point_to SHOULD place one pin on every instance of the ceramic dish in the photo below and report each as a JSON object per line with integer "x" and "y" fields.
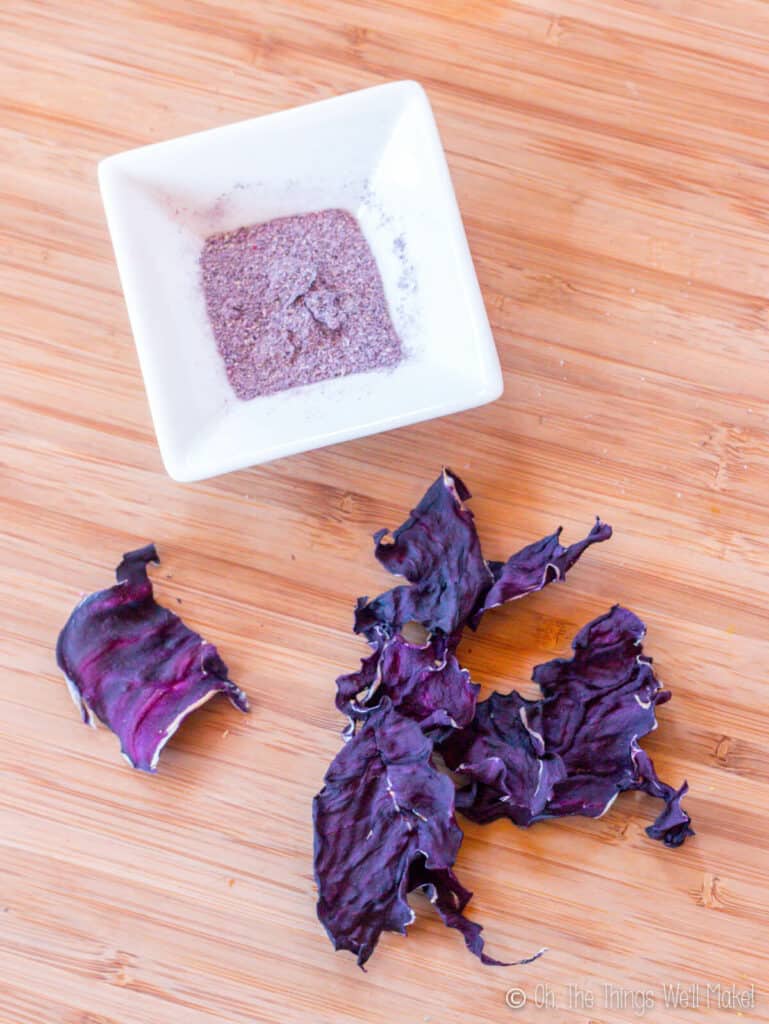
{"x": 376, "y": 153}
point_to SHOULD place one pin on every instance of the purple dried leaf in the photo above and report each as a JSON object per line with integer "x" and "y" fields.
{"x": 576, "y": 749}
{"x": 437, "y": 550}
{"x": 672, "y": 825}
{"x": 509, "y": 774}
{"x": 533, "y": 567}
{"x": 384, "y": 825}
{"x": 135, "y": 666}
{"x": 424, "y": 682}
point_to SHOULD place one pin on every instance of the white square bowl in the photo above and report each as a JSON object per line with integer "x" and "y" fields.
{"x": 375, "y": 153}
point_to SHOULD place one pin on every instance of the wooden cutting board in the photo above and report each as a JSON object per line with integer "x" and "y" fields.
{"x": 611, "y": 160}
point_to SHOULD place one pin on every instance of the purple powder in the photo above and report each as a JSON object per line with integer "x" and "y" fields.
{"x": 296, "y": 300}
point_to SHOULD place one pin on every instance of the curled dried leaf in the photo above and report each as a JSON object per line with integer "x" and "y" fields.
{"x": 135, "y": 666}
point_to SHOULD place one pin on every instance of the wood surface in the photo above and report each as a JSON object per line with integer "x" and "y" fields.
{"x": 611, "y": 160}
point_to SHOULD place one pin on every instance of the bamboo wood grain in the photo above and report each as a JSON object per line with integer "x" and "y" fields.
{"x": 611, "y": 159}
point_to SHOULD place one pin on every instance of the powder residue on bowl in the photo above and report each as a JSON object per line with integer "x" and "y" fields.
{"x": 296, "y": 300}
